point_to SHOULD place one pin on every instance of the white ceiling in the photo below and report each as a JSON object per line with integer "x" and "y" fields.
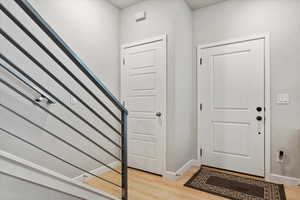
{"x": 124, "y": 3}
{"x": 194, "y": 4}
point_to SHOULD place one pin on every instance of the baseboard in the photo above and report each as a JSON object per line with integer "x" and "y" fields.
{"x": 27, "y": 171}
{"x": 97, "y": 171}
{"x": 284, "y": 180}
{"x": 173, "y": 176}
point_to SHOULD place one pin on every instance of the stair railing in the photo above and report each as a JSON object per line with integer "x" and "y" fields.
{"x": 46, "y": 94}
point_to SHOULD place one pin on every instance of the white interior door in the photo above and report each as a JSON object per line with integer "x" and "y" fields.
{"x": 231, "y": 91}
{"x": 143, "y": 90}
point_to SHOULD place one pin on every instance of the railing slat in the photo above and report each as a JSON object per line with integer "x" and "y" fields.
{"x": 57, "y": 157}
{"x": 57, "y": 137}
{"x": 42, "y": 67}
{"x": 58, "y": 118}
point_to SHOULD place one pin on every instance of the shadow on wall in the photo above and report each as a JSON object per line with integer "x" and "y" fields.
{"x": 288, "y": 163}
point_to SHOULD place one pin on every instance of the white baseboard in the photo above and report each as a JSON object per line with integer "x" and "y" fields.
{"x": 97, "y": 171}
{"x": 27, "y": 171}
{"x": 283, "y": 180}
{"x": 173, "y": 176}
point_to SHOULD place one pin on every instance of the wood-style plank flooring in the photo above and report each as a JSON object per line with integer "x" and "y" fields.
{"x": 145, "y": 186}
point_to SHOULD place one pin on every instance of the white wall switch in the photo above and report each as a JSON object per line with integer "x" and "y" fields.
{"x": 140, "y": 16}
{"x": 283, "y": 98}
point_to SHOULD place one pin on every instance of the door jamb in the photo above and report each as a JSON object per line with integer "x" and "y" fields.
{"x": 164, "y": 89}
{"x": 267, "y": 88}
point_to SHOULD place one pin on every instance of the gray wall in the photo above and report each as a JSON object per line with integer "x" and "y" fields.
{"x": 15, "y": 189}
{"x": 174, "y": 18}
{"x": 94, "y": 35}
{"x": 280, "y": 18}
{"x": 98, "y": 45}
{"x": 181, "y": 140}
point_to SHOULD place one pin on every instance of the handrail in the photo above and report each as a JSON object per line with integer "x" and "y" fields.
{"x": 35, "y": 16}
{"x": 49, "y": 101}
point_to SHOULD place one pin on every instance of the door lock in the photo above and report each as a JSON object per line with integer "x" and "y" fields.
{"x": 158, "y": 114}
{"x": 259, "y": 118}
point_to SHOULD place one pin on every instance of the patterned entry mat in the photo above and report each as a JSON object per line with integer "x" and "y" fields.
{"x": 235, "y": 187}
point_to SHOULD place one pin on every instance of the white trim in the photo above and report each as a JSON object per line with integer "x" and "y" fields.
{"x": 174, "y": 176}
{"x": 164, "y": 88}
{"x": 235, "y": 40}
{"x": 283, "y": 180}
{"x": 17, "y": 167}
{"x": 97, "y": 171}
{"x": 145, "y": 41}
{"x": 268, "y": 107}
{"x": 266, "y": 37}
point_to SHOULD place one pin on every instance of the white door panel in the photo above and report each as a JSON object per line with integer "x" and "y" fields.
{"x": 231, "y": 87}
{"x": 143, "y": 80}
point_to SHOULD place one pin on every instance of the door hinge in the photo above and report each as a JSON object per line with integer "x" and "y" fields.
{"x": 201, "y": 152}
{"x": 201, "y": 106}
{"x": 200, "y": 61}
{"x": 123, "y": 61}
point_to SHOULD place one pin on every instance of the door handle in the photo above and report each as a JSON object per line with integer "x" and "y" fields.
{"x": 158, "y": 114}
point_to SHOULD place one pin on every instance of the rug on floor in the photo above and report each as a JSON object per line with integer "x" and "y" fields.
{"x": 235, "y": 187}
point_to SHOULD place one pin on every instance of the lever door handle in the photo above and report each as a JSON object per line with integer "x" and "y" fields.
{"x": 158, "y": 114}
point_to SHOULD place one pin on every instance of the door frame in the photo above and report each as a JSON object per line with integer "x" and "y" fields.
{"x": 162, "y": 38}
{"x": 267, "y": 95}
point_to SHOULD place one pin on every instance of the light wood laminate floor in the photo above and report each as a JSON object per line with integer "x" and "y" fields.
{"x": 145, "y": 186}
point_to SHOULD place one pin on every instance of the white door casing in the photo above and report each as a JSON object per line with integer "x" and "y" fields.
{"x": 143, "y": 89}
{"x": 232, "y": 80}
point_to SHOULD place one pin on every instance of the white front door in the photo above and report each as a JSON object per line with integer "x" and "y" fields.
{"x": 231, "y": 97}
{"x": 143, "y": 90}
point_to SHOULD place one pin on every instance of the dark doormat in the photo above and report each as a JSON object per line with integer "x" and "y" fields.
{"x": 235, "y": 187}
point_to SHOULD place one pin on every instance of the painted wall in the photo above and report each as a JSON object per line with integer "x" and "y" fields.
{"x": 180, "y": 142}
{"x": 171, "y": 17}
{"x": 232, "y": 19}
{"x": 98, "y": 45}
{"x": 91, "y": 28}
{"x": 16, "y": 189}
